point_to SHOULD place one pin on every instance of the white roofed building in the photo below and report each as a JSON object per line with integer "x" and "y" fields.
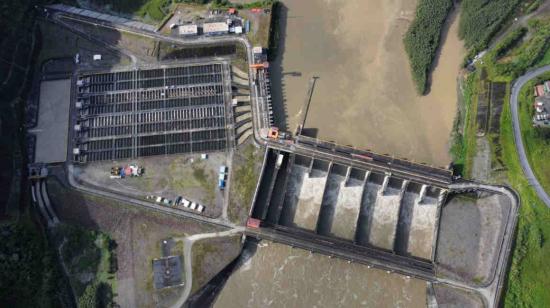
{"x": 188, "y": 30}
{"x": 215, "y": 28}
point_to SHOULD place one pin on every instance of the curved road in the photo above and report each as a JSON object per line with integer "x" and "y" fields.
{"x": 518, "y": 84}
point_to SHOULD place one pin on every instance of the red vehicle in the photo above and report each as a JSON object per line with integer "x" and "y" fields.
{"x": 253, "y": 223}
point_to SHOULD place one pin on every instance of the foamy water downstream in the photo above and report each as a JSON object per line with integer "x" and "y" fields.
{"x": 280, "y": 276}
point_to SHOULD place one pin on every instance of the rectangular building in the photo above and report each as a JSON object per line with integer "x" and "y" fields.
{"x": 215, "y": 28}
{"x": 188, "y": 30}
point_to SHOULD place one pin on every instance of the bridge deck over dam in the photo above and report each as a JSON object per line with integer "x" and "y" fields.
{"x": 349, "y": 206}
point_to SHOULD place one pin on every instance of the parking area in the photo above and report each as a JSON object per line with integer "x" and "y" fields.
{"x": 141, "y": 113}
{"x": 187, "y": 175}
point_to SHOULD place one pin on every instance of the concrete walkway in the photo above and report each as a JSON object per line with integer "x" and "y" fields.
{"x": 518, "y": 84}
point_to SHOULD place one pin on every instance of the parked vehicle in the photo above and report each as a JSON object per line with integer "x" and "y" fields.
{"x": 193, "y": 205}
{"x": 130, "y": 170}
{"x": 178, "y": 200}
{"x": 221, "y": 177}
{"x": 200, "y": 208}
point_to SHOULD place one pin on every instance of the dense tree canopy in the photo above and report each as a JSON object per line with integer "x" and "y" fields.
{"x": 422, "y": 38}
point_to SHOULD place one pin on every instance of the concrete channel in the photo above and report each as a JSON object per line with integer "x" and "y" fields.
{"x": 346, "y": 203}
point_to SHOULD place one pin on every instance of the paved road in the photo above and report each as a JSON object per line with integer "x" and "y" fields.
{"x": 518, "y": 84}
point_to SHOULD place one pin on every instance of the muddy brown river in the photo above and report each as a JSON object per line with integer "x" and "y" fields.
{"x": 280, "y": 276}
{"x": 364, "y": 95}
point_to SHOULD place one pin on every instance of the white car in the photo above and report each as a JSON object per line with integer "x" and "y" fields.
{"x": 200, "y": 208}
{"x": 193, "y": 205}
{"x": 185, "y": 202}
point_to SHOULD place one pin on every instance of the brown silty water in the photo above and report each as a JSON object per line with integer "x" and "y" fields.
{"x": 364, "y": 96}
{"x": 281, "y": 276}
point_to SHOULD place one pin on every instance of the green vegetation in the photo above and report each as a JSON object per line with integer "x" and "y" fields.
{"x": 91, "y": 262}
{"x": 463, "y": 137}
{"x": 422, "y": 38}
{"x": 529, "y": 277}
{"x": 504, "y": 46}
{"x": 481, "y": 20}
{"x": 29, "y": 273}
{"x": 154, "y": 10}
{"x": 512, "y": 57}
{"x": 536, "y": 140}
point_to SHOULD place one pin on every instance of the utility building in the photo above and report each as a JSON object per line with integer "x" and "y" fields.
{"x": 215, "y": 28}
{"x": 188, "y": 30}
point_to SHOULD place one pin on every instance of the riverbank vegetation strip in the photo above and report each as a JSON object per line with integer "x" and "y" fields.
{"x": 529, "y": 277}
{"x": 422, "y": 39}
{"x": 514, "y": 55}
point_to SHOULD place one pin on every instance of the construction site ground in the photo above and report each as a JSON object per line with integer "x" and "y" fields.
{"x": 447, "y": 296}
{"x": 211, "y": 256}
{"x": 470, "y": 237}
{"x": 189, "y": 176}
{"x": 138, "y": 234}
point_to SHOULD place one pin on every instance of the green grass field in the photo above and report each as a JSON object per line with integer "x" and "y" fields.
{"x": 529, "y": 277}
{"x": 536, "y": 145}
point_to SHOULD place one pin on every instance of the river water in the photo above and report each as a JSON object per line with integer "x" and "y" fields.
{"x": 280, "y": 276}
{"x": 364, "y": 95}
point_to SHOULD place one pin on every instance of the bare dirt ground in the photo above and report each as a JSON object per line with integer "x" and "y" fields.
{"x": 470, "y": 237}
{"x": 482, "y": 160}
{"x": 168, "y": 176}
{"x": 211, "y": 256}
{"x": 138, "y": 234}
{"x": 448, "y": 297}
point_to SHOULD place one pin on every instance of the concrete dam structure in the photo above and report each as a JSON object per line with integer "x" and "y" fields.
{"x": 348, "y": 205}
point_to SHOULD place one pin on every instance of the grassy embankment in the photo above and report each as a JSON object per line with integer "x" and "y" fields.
{"x": 529, "y": 277}
{"x": 246, "y": 166}
{"x": 148, "y": 10}
{"x": 422, "y": 39}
